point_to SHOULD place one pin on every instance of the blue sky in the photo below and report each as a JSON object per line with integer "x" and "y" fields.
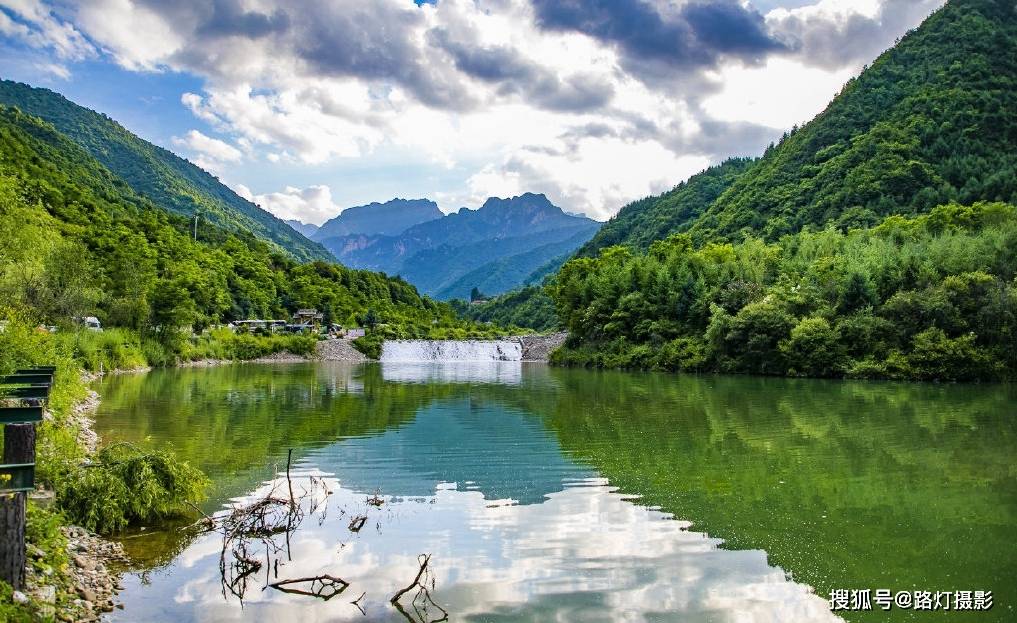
{"x": 313, "y": 108}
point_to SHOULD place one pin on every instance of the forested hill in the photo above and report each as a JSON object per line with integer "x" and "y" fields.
{"x": 654, "y": 218}
{"x": 76, "y": 240}
{"x": 933, "y": 120}
{"x": 169, "y": 181}
{"x": 879, "y": 240}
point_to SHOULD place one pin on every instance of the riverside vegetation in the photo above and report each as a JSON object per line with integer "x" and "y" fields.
{"x": 932, "y": 297}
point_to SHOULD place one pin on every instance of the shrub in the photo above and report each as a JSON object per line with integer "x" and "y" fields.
{"x": 754, "y": 336}
{"x": 814, "y": 348}
{"x": 127, "y": 485}
{"x": 688, "y": 354}
{"x": 936, "y": 357}
{"x": 370, "y": 344}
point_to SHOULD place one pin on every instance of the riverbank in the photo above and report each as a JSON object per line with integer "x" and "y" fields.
{"x": 71, "y": 574}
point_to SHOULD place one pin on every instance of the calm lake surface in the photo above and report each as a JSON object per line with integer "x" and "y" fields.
{"x": 569, "y": 495}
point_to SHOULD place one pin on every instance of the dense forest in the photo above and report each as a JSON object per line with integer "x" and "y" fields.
{"x": 171, "y": 182}
{"x": 77, "y": 240}
{"x": 932, "y": 121}
{"x": 529, "y": 307}
{"x": 876, "y": 241}
{"x": 928, "y": 297}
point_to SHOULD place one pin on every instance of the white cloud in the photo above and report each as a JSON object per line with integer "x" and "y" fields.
{"x": 138, "y": 37}
{"x": 566, "y": 108}
{"x": 309, "y": 205}
{"x": 41, "y": 29}
{"x": 58, "y": 70}
{"x": 772, "y": 94}
{"x": 207, "y": 146}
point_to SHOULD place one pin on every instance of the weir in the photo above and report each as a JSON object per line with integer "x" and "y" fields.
{"x": 451, "y": 350}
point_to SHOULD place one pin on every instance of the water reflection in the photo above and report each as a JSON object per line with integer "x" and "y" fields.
{"x": 586, "y": 553}
{"x": 842, "y": 484}
{"x": 480, "y": 445}
{"x": 500, "y": 372}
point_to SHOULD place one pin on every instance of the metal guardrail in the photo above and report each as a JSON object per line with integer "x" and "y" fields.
{"x": 20, "y": 415}
{"x": 15, "y": 477}
{"x": 37, "y": 392}
{"x": 43, "y": 378}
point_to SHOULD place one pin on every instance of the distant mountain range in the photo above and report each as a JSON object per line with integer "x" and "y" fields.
{"x": 383, "y": 219}
{"x": 494, "y": 248}
{"x": 305, "y": 229}
{"x": 168, "y": 180}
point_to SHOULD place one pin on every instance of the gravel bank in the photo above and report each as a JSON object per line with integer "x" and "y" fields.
{"x": 338, "y": 350}
{"x": 93, "y": 583}
{"x": 539, "y": 347}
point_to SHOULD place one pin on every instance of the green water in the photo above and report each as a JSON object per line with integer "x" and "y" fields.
{"x": 574, "y": 495}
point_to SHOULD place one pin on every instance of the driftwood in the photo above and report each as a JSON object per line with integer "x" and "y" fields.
{"x": 323, "y": 586}
{"x": 356, "y": 602}
{"x": 262, "y": 521}
{"x": 357, "y": 523}
{"x": 422, "y": 600}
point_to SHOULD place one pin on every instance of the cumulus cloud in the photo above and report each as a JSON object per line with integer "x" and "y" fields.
{"x": 832, "y": 34}
{"x": 309, "y": 205}
{"x": 34, "y": 24}
{"x": 592, "y": 102}
{"x": 208, "y": 146}
{"x": 683, "y": 37}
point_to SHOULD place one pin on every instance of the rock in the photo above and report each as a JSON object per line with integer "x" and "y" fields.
{"x": 20, "y": 598}
{"x": 107, "y": 607}
{"x": 88, "y": 594}
{"x": 84, "y": 563}
{"x": 87, "y": 604}
{"x": 46, "y": 594}
{"x": 34, "y": 551}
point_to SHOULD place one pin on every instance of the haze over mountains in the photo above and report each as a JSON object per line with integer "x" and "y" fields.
{"x": 494, "y": 248}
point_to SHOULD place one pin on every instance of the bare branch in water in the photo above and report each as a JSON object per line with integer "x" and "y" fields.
{"x": 323, "y": 586}
{"x": 356, "y": 602}
{"x": 422, "y": 600}
{"x": 357, "y": 523}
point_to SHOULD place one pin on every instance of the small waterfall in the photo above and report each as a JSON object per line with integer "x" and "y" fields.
{"x": 451, "y": 350}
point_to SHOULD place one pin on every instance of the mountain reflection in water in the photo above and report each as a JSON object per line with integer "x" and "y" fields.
{"x": 544, "y": 494}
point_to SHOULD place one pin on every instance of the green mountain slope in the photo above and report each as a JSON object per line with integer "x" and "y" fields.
{"x": 169, "y": 181}
{"x": 508, "y": 272}
{"x": 76, "y": 240}
{"x": 879, "y": 240}
{"x": 653, "y": 218}
{"x": 933, "y": 120}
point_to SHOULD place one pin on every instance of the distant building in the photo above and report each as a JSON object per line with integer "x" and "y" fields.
{"x": 308, "y": 316}
{"x": 251, "y": 325}
{"x": 354, "y": 332}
